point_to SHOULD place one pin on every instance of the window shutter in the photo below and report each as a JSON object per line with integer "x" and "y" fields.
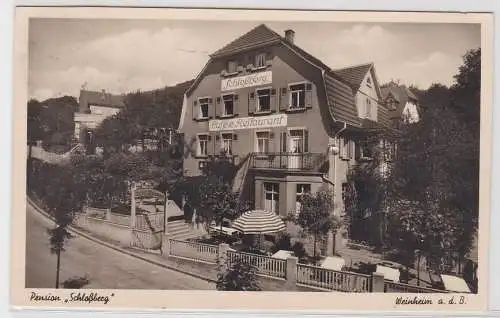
{"x": 283, "y": 99}
{"x": 283, "y": 141}
{"x": 251, "y": 103}
{"x": 306, "y": 140}
{"x": 236, "y": 104}
{"x": 271, "y": 142}
{"x": 308, "y": 97}
{"x": 273, "y": 100}
{"x": 195, "y": 110}
{"x": 210, "y": 145}
{"x": 218, "y": 107}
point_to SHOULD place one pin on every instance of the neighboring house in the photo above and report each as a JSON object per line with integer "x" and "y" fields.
{"x": 285, "y": 118}
{"x": 402, "y": 104}
{"x": 94, "y": 107}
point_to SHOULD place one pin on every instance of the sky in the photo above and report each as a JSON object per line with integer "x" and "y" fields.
{"x": 127, "y": 55}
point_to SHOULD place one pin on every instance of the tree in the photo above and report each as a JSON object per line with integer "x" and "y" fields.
{"x": 35, "y": 131}
{"x": 215, "y": 199}
{"x": 240, "y": 276}
{"x": 434, "y": 192}
{"x": 316, "y": 215}
{"x": 63, "y": 198}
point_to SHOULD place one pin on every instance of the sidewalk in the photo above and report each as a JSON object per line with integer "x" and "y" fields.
{"x": 207, "y": 272}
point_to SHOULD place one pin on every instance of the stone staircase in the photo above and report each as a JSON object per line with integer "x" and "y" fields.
{"x": 180, "y": 230}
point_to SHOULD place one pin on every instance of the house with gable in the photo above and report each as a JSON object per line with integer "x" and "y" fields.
{"x": 287, "y": 120}
{"x": 402, "y": 104}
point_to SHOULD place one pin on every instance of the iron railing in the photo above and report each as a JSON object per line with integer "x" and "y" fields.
{"x": 288, "y": 161}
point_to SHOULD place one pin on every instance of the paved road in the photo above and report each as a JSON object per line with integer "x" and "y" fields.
{"x": 105, "y": 267}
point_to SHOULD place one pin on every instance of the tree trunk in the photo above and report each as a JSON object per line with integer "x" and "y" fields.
{"x": 58, "y": 268}
{"x": 334, "y": 242}
{"x": 314, "y": 247}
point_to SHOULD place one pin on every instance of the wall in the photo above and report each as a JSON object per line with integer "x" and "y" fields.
{"x": 286, "y": 68}
{"x": 118, "y": 233}
{"x": 367, "y": 91}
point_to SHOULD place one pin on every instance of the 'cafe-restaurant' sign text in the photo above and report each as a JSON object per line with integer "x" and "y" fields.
{"x": 261, "y": 78}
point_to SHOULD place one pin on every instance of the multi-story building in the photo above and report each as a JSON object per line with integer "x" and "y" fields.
{"x": 290, "y": 123}
{"x": 94, "y": 107}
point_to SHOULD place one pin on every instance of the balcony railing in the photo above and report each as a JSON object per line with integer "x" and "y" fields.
{"x": 288, "y": 161}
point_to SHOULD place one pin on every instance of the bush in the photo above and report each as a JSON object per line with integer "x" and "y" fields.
{"x": 299, "y": 251}
{"x": 240, "y": 276}
{"x": 283, "y": 243}
{"x": 75, "y": 282}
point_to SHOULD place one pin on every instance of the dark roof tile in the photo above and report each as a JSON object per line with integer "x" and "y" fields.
{"x": 257, "y": 36}
{"x": 354, "y": 75}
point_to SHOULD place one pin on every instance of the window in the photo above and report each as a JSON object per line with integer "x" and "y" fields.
{"x": 231, "y": 67}
{"x": 264, "y": 100}
{"x": 365, "y": 149}
{"x": 202, "y": 145}
{"x": 298, "y": 96}
{"x": 368, "y": 108}
{"x": 262, "y": 145}
{"x": 350, "y": 149}
{"x": 301, "y": 192}
{"x": 202, "y": 165}
{"x": 204, "y": 102}
{"x": 297, "y": 141}
{"x": 227, "y": 144}
{"x": 369, "y": 82}
{"x": 271, "y": 197}
{"x": 228, "y": 109}
{"x": 260, "y": 60}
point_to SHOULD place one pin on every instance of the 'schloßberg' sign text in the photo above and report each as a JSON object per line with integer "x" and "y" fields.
{"x": 248, "y": 123}
{"x": 261, "y": 78}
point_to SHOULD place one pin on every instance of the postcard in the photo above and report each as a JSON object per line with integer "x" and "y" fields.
{"x": 203, "y": 159}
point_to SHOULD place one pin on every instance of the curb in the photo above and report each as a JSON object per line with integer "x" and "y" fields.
{"x": 119, "y": 249}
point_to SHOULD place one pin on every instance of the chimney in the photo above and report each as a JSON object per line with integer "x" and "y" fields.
{"x": 289, "y": 35}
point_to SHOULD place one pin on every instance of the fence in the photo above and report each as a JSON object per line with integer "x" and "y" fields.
{"x": 265, "y": 265}
{"x": 393, "y": 287}
{"x": 333, "y": 280}
{"x": 146, "y": 240}
{"x": 150, "y": 221}
{"x": 194, "y": 251}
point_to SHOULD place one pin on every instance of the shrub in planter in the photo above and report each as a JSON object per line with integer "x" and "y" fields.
{"x": 283, "y": 243}
{"x": 75, "y": 282}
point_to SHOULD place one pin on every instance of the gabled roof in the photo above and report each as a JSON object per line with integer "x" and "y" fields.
{"x": 354, "y": 75}
{"x": 340, "y": 85}
{"x": 402, "y": 95}
{"x": 260, "y": 35}
{"x": 100, "y": 99}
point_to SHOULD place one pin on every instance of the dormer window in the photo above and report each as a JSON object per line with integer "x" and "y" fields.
{"x": 232, "y": 67}
{"x": 260, "y": 60}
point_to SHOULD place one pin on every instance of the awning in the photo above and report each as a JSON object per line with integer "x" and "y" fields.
{"x": 259, "y": 222}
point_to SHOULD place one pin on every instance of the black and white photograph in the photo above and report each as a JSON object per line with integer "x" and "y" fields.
{"x": 315, "y": 156}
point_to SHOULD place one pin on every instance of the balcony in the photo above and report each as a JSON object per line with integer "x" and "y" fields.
{"x": 309, "y": 162}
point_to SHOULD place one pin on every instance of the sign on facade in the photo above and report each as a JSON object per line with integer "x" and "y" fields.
{"x": 248, "y": 123}
{"x": 257, "y": 79}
